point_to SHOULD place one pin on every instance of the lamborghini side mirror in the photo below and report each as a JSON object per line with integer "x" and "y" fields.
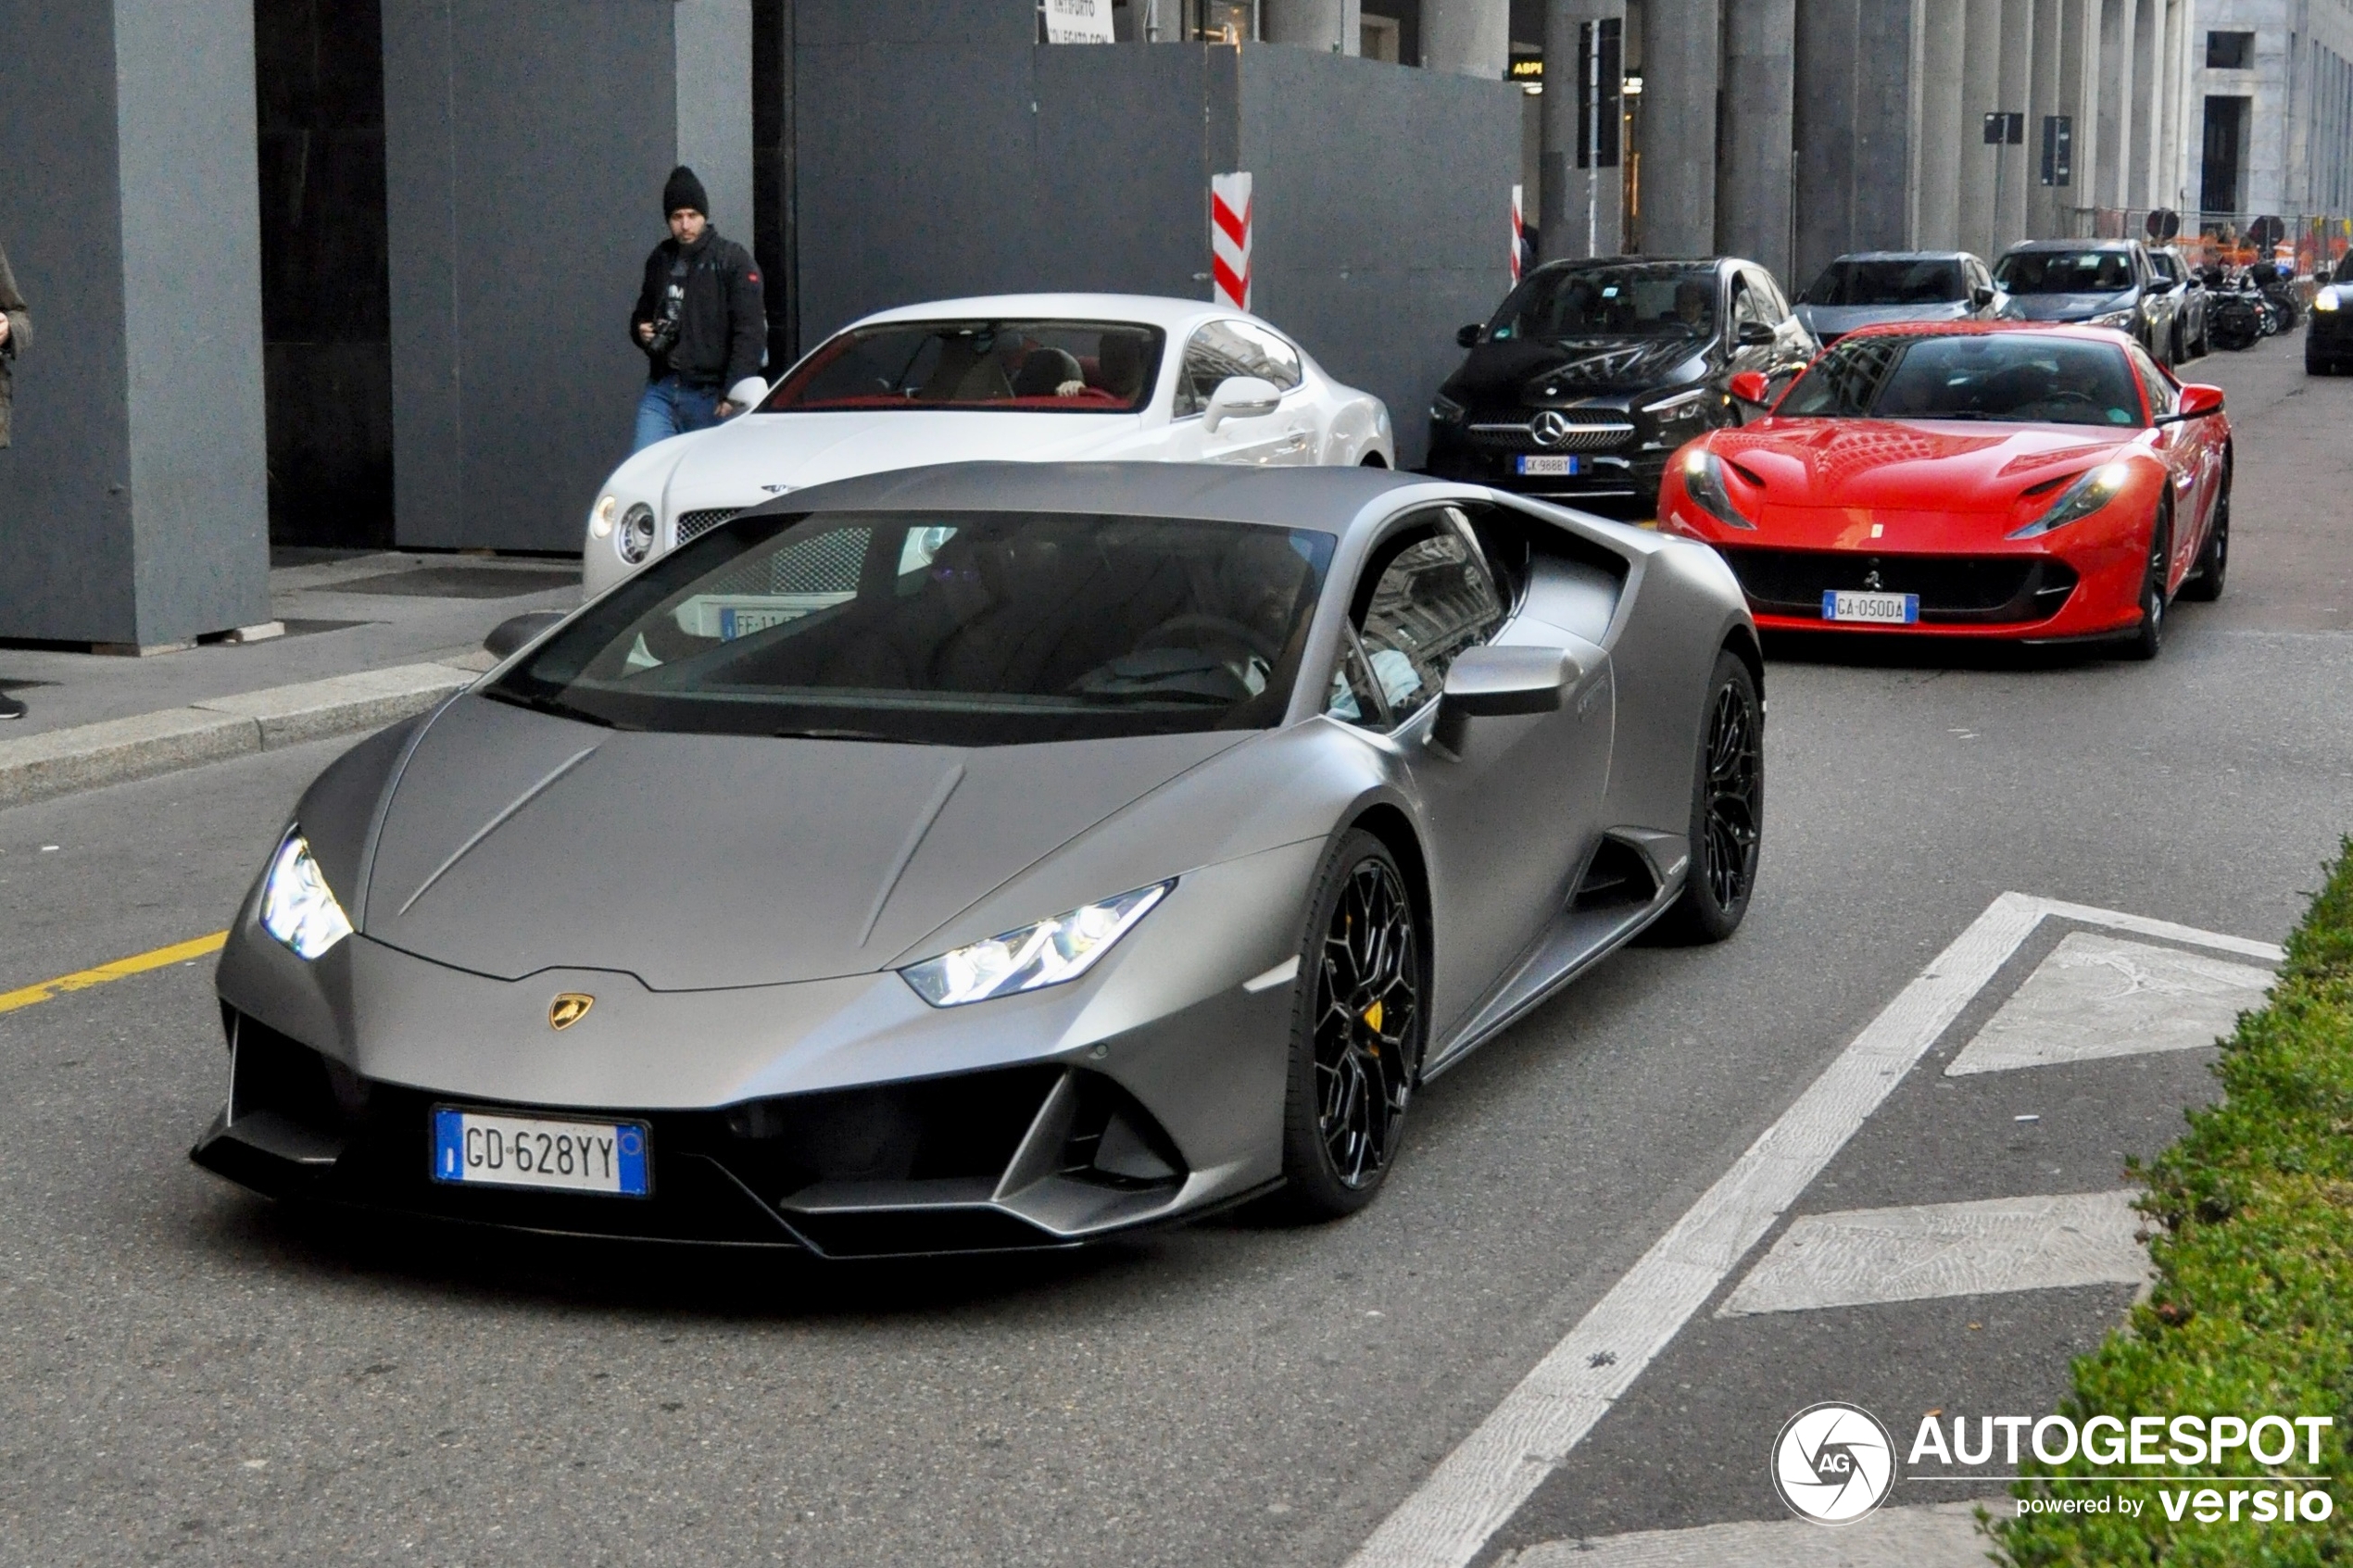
{"x": 517, "y": 630}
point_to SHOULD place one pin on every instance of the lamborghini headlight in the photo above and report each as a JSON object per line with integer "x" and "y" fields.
{"x": 1034, "y": 957}
{"x": 1704, "y": 483}
{"x": 298, "y": 908}
{"x": 2081, "y": 499}
{"x": 2326, "y": 300}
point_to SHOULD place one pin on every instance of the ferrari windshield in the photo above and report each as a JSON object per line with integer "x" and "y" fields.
{"x": 2021, "y": 376}
{"x": 2065, "y": 272}
{"x": 1639, "y": 300}
{"x": 951, "y": 628}
{"x": 1031, "y": 367}
{"x": 1936, "y": 281}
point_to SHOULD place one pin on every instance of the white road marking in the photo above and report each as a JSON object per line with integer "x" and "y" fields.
{"x": 2099, "y": 995}
{"x": 1447, "y": 1519}
{"x": 1871, "y": 1255}
{"x": 1934, "y": 1536}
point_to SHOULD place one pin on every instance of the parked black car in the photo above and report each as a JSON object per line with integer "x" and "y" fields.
{"x": 2328, "y": 342}
{"x": 1592, "y": 373}
{"x": 2097, "y": 282}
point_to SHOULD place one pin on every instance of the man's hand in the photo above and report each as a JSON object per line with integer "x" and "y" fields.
{"x": 4, "y": 326}
{"x": 722, "y": 409}
{"x": 645, "y": 332}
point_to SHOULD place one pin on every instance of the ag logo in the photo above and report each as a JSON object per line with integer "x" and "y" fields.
{"x": 1833, "y": 1463}
{"x": 569, "y": 1008}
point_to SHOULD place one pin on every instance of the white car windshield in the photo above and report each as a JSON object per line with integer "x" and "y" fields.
{"x": 1026, "y": 367}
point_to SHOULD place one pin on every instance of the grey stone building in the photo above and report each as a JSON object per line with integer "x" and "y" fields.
{"x": 2270, "y": 130}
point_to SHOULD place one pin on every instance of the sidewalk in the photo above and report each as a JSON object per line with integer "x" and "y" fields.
{"x": 370, "y": 638}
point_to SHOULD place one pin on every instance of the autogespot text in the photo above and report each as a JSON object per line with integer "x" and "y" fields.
{"x": 2147, "y": 1440}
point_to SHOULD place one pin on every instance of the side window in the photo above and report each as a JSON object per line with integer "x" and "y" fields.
{"x": 1230, "y": 349}
{"x": 1355, "y": 697}
{"x": 1748, "y": 307}
{"x": 1432, "y": 599}
{"x": 1769, "y": 298}
{"x": 2153, "y": 382}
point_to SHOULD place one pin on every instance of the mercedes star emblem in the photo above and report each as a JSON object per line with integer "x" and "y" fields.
{"x": 1549, "y": 428}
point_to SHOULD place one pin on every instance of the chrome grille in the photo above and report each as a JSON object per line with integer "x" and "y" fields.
{"x": 1581, "y": 436}
{"x": 692, "y": 524}
{"x": 827, "y": 566}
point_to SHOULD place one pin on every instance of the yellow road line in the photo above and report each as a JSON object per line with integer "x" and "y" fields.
{"x": 82, "y": 980}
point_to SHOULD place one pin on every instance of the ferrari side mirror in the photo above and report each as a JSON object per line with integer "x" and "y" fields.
{"x": 517, "y": 630}
{"x": 1752, "y": 387}
{"x": 2198, "y": 402}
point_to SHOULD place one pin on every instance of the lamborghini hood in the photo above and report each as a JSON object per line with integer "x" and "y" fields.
{"x": 513, "y": 842}
{"x": 1920, "y": 466}
{"x": 747, "y": 460}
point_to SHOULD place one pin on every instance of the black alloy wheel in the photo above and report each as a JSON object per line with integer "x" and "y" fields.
{"x": 1357, "y": 1034}
{"x": 2204, "y": 584}
{"x": 2147, "y": 640}
{"x": 1728, "y": 811}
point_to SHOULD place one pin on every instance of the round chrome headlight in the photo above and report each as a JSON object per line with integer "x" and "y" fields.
{"x": 634, "y": 538}
{"x": 600, "y": 520}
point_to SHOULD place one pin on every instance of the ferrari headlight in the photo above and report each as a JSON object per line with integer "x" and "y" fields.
{"x": 635, "y": 539}
{"x": 600, "y": 519}
{"x": 1445, "y": 410}
{"x": 298, "y": 908}
{"x": 2326, "y": 300}
{"x": 1037, "y": 956}
{"x": 1704, "y": 483}
{"x": 2081, "y": 499}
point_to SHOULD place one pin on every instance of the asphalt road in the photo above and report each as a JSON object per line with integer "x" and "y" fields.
{"x": 189, "y": 1373}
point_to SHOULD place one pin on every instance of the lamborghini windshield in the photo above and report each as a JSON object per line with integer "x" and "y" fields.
{"x": 2015, "y": 376}
{"x": 1028, "y": 367}
{"x": 951, "y": 628}
{"x": 1643, "y": 299}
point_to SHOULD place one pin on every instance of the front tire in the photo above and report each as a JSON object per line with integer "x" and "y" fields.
{"x": 2214, "y": 561}
{"x": 1357, "y": 1033}
{"x": 2148, "y": 640}
{"x": 1728, "y": 811}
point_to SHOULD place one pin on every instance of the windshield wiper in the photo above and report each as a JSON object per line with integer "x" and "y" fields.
{"x": 828, "y": 732}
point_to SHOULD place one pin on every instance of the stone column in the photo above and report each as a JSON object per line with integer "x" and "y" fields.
{"x": 2113, "y": 167}
{"x": 2015, "y": 95}
{"x": 1681, "y": 40}
{"x": 1981, "y": 96}
{"x": 2148, "y": 71}
{"x": 1334, "y": 26}
{"x": 1583, "y": 206}
{"x": 1944, "y": 137}
{"x": 714, "y": 92}
{"x": 136, "y": 498}
{"x": 1754, "y": 188}
{"x": 2173, "y": 172}
{"x": 513, "y": 381}
{"x": 1467, "y": 37}
{"x": 2047, "y": 95}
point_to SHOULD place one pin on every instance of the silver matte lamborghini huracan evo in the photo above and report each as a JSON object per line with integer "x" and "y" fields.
{"x": 992, "y": 855}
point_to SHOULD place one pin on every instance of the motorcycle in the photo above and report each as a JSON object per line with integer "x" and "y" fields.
{"x": 2238, "y": 314}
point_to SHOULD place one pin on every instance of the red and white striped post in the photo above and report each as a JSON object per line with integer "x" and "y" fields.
{"x": 1519, "y": 236}
{"x": 1229, "y": 216}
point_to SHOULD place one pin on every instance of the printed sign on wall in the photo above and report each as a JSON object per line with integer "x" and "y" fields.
{"x": 1076, "y": 21}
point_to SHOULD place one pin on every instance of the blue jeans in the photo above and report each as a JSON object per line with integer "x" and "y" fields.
{"x": 671, "y": 407}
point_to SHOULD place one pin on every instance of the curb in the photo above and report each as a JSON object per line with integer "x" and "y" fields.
{"x": 118, "y": 750}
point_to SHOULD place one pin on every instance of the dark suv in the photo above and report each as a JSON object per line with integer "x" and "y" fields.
{"x": 1592, "y": 373}
{"x": 2094, "y": 283}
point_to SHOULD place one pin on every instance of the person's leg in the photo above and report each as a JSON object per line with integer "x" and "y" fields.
{"x": 657, "y": 414}
{"x": 697, "y": 407}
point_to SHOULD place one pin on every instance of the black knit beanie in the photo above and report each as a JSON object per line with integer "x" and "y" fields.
{"x": 684, "y": 190}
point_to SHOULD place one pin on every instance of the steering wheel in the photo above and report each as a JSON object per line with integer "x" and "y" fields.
{"x": 1169, "y": 632}
{"x": 2069, "y": 394}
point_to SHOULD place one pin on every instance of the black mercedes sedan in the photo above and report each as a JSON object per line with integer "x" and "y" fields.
{"x": 1592, "y": 373}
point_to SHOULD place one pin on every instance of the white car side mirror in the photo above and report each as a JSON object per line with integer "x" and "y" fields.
{"x": 1240, "y": 397}
{"x": 747, "y": 392}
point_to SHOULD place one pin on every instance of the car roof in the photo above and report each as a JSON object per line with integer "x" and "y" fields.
{"x": 2112, "y": 336}
{"x": 1907, "y": 255}
{"x": 1145, "y": 309}
{"x": 1578, "y": 263}
{"x": 2071, "y": 245}
{"x": 1325, "y": 498}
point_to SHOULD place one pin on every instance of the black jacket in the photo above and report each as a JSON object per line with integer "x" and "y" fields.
{"x": 722, "y": 325}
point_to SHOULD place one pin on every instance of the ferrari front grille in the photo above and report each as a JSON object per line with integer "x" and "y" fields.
{"x": 1575, "y": 435}
{"x": 1956, "y": 590}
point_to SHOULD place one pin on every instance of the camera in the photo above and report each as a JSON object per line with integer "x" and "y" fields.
{"x": 665, "y": 334}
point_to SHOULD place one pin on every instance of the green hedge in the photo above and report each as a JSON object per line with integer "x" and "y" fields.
{"x": 2252, "y": 1313}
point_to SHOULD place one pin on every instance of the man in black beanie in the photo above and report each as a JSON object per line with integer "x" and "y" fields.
{"x": 699, "y": 319}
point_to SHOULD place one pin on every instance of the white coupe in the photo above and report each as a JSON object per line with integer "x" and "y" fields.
{"x": 1047, "y": 377}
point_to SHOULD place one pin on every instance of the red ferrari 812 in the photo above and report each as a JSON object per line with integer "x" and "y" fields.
{"x": 1968, "y": 478}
